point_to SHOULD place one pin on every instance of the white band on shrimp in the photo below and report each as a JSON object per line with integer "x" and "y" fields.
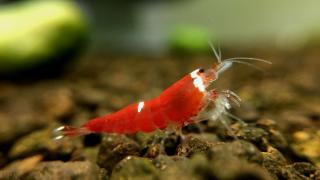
{"x": 197, "y": 80}
{"x": 140, "y": 106}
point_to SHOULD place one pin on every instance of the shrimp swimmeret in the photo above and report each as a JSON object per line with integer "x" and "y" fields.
{"x": 189, "y": 100}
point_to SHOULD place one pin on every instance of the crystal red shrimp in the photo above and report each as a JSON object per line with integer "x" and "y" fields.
{"x": 189, "y": 100}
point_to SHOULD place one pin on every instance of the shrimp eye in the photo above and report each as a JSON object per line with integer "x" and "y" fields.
{"x": 201, "y": 70}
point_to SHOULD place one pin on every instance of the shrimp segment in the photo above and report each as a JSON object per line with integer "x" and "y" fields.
{"x": 182, "y": 103}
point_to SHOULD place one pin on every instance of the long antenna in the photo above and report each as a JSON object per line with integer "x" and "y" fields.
{"x": 215, "y": 52}
{"x": 246, "y": 63}
{"x": 219, "y": 50}
{"x": 248, "y": 58}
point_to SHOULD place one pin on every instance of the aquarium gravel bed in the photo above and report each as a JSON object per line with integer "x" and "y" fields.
{"x": 281, "y": 108}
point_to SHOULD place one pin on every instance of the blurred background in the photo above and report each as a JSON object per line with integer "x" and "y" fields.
{"x": 154, "y": 25}
{"x": 66, "y": 61}
{"x": 36, "y": 32}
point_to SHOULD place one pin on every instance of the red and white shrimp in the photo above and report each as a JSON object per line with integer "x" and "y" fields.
{"x": 189, "y": 100}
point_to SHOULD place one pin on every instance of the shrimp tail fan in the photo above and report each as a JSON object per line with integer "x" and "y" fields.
{"x": 69, "y": 131}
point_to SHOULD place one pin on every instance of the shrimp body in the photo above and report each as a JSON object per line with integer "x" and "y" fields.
{"x": 175, "y": 105}
{"x": 184, "y": 102}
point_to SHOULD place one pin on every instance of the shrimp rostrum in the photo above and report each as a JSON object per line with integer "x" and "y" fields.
{"x": 189, "y": 100}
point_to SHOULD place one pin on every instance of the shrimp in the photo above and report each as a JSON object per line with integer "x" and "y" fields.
{"x": 189, "y": 100}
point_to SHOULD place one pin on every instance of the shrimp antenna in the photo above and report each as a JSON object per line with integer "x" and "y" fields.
{"x": 248, "y": 58}
{"x": 241, "y": 60}
{"x": 219, "y": 50}
{"x": 245, "y": 63}
{"x": 218, "y": 55}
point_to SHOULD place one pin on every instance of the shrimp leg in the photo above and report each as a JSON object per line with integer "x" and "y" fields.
{"x": 222, "y": 105}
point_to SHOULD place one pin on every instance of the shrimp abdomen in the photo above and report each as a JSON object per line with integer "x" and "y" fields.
{"x": 176, "y": 105}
